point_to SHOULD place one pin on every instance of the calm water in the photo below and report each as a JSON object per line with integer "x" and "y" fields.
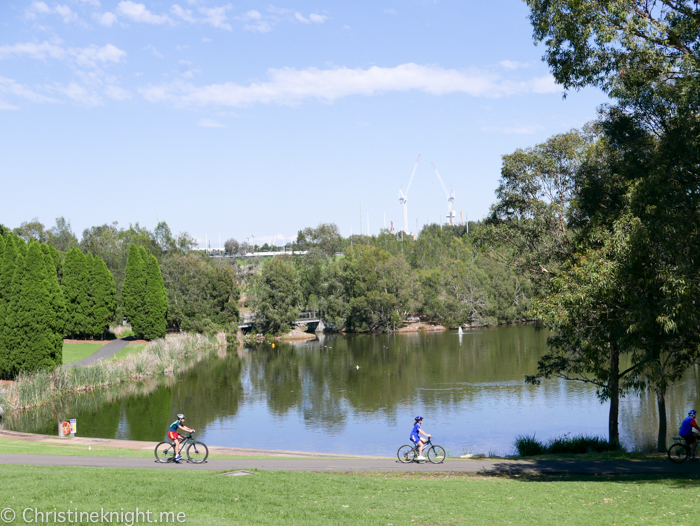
{"x": 311, "y": 396}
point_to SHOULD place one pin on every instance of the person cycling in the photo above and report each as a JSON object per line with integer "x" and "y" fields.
{"x": 686, "y": 432}
{"x": 415, "y": 436}
{"x": 175, "y": 436}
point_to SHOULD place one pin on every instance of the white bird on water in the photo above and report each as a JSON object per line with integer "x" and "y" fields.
{"x": 357, "y": 366}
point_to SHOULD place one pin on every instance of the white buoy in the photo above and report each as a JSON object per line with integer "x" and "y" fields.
{"x": 357, "y": 366}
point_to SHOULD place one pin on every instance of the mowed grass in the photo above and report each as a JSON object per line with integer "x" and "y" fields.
{"x": 126, "y": 351}
{"x": 209, "y": 498}
{"x": 11, "y": 445}
{"x": 74, "y": 352}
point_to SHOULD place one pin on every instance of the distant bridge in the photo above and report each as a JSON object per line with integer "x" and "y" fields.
{"x": 311, "y": 319}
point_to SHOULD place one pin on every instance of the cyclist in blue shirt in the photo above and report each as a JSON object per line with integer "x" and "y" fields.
{"x": 415, "y": 436}
{"x": 175, "y": 436}
{"x": 686, "y": 431}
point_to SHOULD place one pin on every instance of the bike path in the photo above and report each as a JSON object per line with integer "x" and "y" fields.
{"x": 505, "y": 467}
{"x": 103, "y": 352}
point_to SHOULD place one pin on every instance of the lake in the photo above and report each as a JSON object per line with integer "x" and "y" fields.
{"x": 360, "y": 394}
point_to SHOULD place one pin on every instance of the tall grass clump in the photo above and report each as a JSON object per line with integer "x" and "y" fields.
{"x": 580, "y": 445}
{"x": 169, "y": 356}
{"x": 528, "y": 446}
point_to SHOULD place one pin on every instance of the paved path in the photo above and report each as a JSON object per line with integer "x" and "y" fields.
{"x": 108, "y": 350}
{"x": 366, "y": 464}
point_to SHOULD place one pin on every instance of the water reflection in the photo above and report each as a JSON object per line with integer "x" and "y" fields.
{"x": 330, "y": 394}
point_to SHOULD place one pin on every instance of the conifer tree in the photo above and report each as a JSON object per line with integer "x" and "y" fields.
{"x": 2, "y": 250}
{"x": 21, "y": 245}
{"x": 75, "y": 286}
{"x": 156, "y": 302}
{"x": 56, "y": 303}
{"x": 6, "y": 273}
{"x": 103, "y": 296}
{"x": 134, "y": 290}
{"x": 28, "y": 333}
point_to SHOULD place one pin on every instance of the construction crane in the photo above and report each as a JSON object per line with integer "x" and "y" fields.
{"x": 450, "y": 198}
{"x": 403, "y": 198}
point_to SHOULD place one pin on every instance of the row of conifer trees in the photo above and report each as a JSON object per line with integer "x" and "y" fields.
{"x": 43, "y": 299}
{"x": 144, "y": 297}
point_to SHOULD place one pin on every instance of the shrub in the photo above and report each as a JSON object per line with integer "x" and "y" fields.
{"x": 528, "y": 446}
{"x": 579, "y": 445}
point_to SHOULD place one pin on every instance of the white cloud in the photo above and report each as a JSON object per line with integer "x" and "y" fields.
{"x": 253, "y": 15}
{"x": 33, "y": 50}
{"x": 65, "y": 12}
{"x": 184, "y": 14}
{"x": 139, "y": 13}
{"x": 317, "y": 19}
{"x": 78, "y": 93}
{"x": 512, "y": 64}
{"x": 290, "y": 86}
{"x": 263, "y": 26}
{"x": 301, "y": 18}
{"x": 278, "y": 10}
{"x": 216, "y": 16}
{"x": 154, "y": 51}
{"x": 41, "y": 8}
{"x": 95, "y": 3}
{"x": 206, "y": 40}
{"x": 106, "y": 19}
{"x": 10, "y": 87}
{"x": 88, "y": 56}
{"x": 117, "y": 93}
{"x": 210, "y": 123}
{"x": 390, "y": 11}
{"x": 91, "y": 56}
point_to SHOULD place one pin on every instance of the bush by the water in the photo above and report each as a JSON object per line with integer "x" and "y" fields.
{"x": 528, "y": 446}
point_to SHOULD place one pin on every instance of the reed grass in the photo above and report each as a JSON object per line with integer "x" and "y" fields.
{"x": 169, "y": 356}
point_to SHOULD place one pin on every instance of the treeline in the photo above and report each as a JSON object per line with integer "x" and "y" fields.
{"x": 195, "y": 292}
{"x": 381, "y": 281}
{"x": 44, "y": 298}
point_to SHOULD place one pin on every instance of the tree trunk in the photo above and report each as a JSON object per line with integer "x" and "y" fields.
{"x": 661, "y": 404}
{"x": 614, "y": 385}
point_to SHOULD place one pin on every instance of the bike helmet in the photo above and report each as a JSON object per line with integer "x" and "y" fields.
{"x": 692, "y": 412}
{"x": 419, "y": 418}
{"x": 180, "y": 416}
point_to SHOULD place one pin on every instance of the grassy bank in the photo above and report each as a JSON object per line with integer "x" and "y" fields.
{"x": 161, "y": 357}
{"x": 356, "y": 498}
{"x": 74, "y": 352}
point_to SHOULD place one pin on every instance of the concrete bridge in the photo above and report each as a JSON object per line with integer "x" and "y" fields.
{"x": 312, "y": 320}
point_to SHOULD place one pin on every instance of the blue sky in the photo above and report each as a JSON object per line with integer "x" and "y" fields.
{"x": 251, "y": 118}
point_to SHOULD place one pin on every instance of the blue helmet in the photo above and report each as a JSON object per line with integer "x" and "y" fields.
{"x": 419, "y": 418}
{"x": 692, "y": 412}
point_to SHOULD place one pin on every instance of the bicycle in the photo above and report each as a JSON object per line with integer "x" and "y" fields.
{"x": 679, "y": 452}
{"x": 435, "y": 454}
{"x": 197, "y": 452}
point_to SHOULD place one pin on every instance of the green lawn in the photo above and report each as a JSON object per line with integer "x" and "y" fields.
{"x": 74, "y": 352}
{"x": 129, "y": 349}
{"x": 354, "y": 498}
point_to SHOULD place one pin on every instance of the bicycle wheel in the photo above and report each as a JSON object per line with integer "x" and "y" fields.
{"x": 678, "y": 453}
{"x": 436, "y": 454}
{"x": 165, "y": 452}
{"x": 197, "y": 452}
{"x": 406, "y": 454}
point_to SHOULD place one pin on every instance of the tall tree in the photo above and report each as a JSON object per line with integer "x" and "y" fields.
{"x": 134, "y": 289}
{"x": 275, "y": 296}
{"x": 103, "y": 297}
{"x": 6, "y": 274}
{"x": 56, "y": 303}
{"x": 62, "y": 236}
{"x": 28, "y": 333}
{"x": 76, "y": 285}
{"x": 155, "y": 303}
